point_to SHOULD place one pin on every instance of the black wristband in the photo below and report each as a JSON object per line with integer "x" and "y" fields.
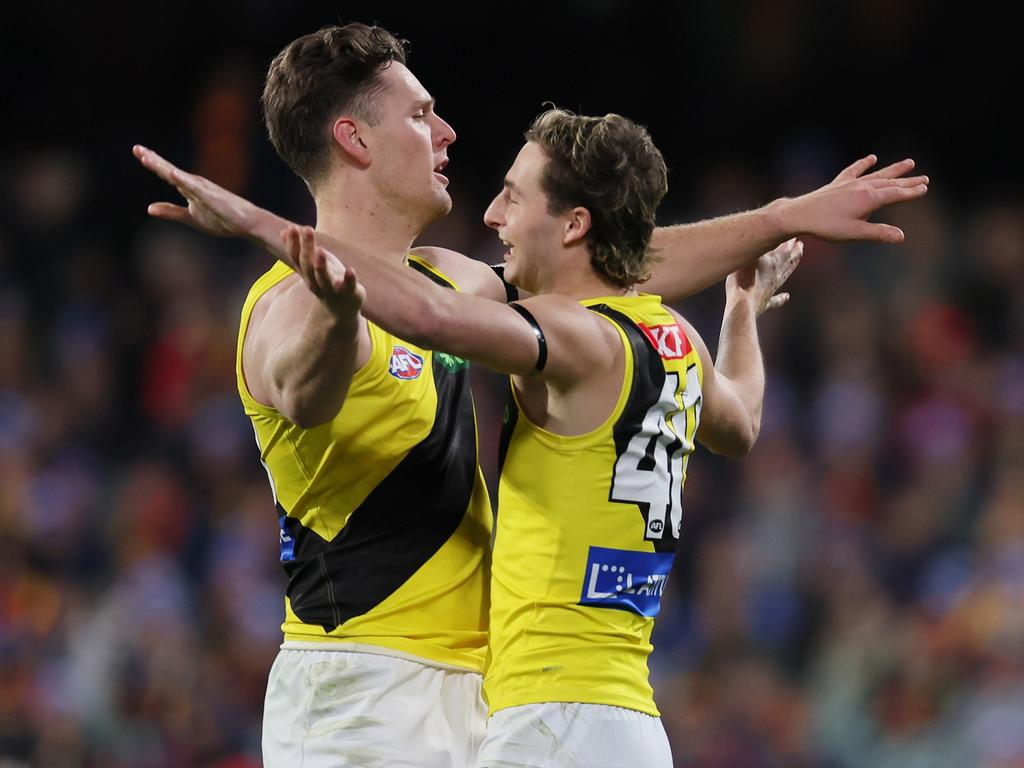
{"x": 542, "y": 344}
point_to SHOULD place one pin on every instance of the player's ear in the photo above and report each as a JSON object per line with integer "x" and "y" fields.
{"x": 348, "y": 137}
{"x": 576, "y": 226}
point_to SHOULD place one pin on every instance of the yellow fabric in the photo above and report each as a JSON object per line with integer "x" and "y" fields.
{"x": 320, "y": 476}
{"x": 553, "y": 506}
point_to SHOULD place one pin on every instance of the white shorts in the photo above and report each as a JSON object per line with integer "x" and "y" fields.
{"x": 341, "y": 709}
{"x": 561, "y": 735}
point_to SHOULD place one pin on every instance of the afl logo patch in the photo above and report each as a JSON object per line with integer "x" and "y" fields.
{"x": 405, "y": 364}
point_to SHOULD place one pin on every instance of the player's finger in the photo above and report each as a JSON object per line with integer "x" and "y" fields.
{"x": 782, "y": 274}
{"x": 292, "y": 241}
{"x": 320, "y": 275}
{"x": 909, "y": 181}
{"x": 188, "y": 184}
{"x": 855, "y": 169}
{"x": 892, "y": 171}
{"x": 331, "y": 273}
{"x": 154, "y": 162}
{"x": 879, "y": 233}
{"x": 170, "y": 212}
{"x": 308, "y": 260}
{"x": 777, "y": 300}
{"x": 899, "y": 194}
{"x": 349, "y": 284}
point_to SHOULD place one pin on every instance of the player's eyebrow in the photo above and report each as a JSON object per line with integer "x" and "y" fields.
{"x": 426, "y": 104}
{"x": 511, "y": 186}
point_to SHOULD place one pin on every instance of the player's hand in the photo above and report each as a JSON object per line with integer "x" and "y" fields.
{"x": 840, "y": 210}
{"x": 211, "y": 208}
{"x": 760, "y": 282}
{"x": 323, "y": 273}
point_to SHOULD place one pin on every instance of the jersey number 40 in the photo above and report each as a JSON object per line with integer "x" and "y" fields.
{"x": 650, "y": 471}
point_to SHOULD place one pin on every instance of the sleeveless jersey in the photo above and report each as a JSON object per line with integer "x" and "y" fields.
{"x": 384, "y": 518}
{"x": 588, "y": 527}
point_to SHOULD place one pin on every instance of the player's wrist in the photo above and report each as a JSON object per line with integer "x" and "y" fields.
{"x": 782, "y": 219}
{"x": 264, "y": 231}
{"x": 739, "y": 299}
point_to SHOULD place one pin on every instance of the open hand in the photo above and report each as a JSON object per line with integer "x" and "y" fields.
{"x": 760, "y": 281}
{"x": 839, "y": 210}
{"x": 211, "y": 208}
{"x": 323, "y": 273}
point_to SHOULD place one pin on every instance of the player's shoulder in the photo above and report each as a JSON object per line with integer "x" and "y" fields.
{"x": 589, "y": 332}
{"x": 691, "y": 333}
{"x": 471, "y": 276}
{"x": 681, "y": 321}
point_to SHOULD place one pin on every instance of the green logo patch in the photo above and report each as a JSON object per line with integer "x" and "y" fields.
{"x": 452, "y": 363}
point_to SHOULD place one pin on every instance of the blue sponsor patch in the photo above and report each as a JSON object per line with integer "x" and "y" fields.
{"x": 289, "y": 527}
{"x": 629, "y": 581}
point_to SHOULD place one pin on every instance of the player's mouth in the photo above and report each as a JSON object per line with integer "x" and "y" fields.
{"x": 508, "y": 248}
{"x": 437, "y": 171}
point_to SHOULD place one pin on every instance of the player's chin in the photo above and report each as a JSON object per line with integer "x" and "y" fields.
{"x": 441, "y": 204}
{"x": 513, "y": 276}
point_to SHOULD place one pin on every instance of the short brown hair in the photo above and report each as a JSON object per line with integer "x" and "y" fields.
{"x": 316, "y": 78}
{"x": 610, "y": 166}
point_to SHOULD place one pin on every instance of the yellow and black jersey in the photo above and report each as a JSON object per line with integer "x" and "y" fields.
{"x": 588, "y": 527}
{"x": 384, "y": 516}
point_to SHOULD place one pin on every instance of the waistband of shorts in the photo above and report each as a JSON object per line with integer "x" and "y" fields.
{"x": 374, "y": 650}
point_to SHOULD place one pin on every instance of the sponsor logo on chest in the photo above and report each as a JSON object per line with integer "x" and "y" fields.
{"x": 627, "y": 580}
{"x": 404, "y": 363}
{"x": 669, "y": 340}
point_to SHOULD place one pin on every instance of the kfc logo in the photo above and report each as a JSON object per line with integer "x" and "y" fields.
{"x": 669, "y": 340}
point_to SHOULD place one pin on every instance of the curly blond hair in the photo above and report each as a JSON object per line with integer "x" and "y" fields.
{"x": 610, "y": 166}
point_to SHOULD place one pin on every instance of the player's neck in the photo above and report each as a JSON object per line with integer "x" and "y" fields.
{"x": 361, "y": 219}
{"x": 581, "y": 281}
{"x": 577, "y": 290}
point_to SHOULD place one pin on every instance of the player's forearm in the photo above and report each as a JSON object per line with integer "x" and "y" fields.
{"x": 692, "y": 257}
{"x": 311, "y": 373}
{"x": 739, "y": 360}
{"x": 406, "y": 303}
{"x": 466, "y": 326}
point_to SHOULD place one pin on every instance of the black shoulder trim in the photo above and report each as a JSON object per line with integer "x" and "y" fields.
{"x": 511, "y": 292}
{"x": 431, "y": 274}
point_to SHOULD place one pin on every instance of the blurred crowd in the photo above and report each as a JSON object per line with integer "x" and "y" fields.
{"x": 849, "y": 595}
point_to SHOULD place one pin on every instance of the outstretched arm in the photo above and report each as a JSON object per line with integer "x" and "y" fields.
{"x": 472, "y": 327}
{"x": 694, "y": 256}
{"x": 215, "y": 211}
{"x": 733, "y": 389}
{"x": 212, "y": 209}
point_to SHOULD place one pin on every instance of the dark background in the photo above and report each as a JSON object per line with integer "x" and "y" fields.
{"x": 848, "y": 595}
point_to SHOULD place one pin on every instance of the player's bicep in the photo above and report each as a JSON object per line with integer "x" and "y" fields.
{"x": 263, "y": 339}
{"x": 725, "y": 422}
{"x": 488, "y": 332}
{"x": 725, "y": 425}
{"x": 274, "y": 335}
{"x": 577, "y": 343}
{"x": 549, "y": 336}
